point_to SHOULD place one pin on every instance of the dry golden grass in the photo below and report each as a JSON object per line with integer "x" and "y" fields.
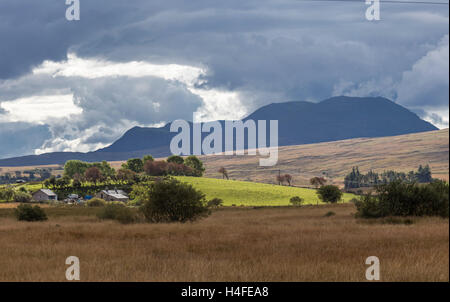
{"x": 401, "y": 153}
{"x": 234, "y": 244}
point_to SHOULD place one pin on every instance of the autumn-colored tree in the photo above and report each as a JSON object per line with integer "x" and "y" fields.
{"x": 224, "y": 172}
{"x": 281, "y": 179}
{"x": 93, "y": 174}
{"x": 125, "y": 175}
{"x": 155, "y": 168}
{"x": 317, "y": 181}
{"x": 288, "y": 178}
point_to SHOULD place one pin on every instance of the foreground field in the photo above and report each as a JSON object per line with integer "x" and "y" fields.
{"x": 252, "y": 193}
{"x": 233, "y": 244}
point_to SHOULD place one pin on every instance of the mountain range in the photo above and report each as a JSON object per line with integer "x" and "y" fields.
{"x": 333, "y": 119}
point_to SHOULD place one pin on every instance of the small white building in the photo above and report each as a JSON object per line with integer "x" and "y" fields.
{"x": 113, "y": 195}
{"x": 44, "y": 195}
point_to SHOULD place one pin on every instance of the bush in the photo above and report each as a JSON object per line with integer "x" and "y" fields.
{"x": 26, "y": 212}
{"x": 196, "y": 164}
{"x": 175, "y": 159}
{"x": 368, "y": 207}
{"x": 215, "y": 203}
{"x": 21, "y": 197}
{"x": 170, "y": 200}
{"x": 296, "y": 201}
{"x": 96, "y": 202}
{"x": 119, "y": 212}
{"x": 6, "y": 194}
{"x": 329, "y": 193}
{"x": 406, "y": 199}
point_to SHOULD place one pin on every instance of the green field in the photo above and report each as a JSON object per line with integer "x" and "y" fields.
{"x": 239, "y": 192}
{"x": 252, "y": 193}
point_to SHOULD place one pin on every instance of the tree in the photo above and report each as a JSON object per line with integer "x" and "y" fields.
{"x": 63, "y": 182}
{"x": 175, "y": 159}
{"x": 215, "y": 203}
{"x": 317, "y": 181}
{"x": 125, "y": 175}
{"x": 155, "y": 168}
{"x": 45, "y": 174}
{"x": 105, "y": 168}
{"x": 73, "y": 167}
{"x": 224, "y": 172}
{"x": 50, "y": 182}
{"x": 280, "y": 179}
{"x": 173, "y": 201}
{"x": 147, "y": 158}
{"x": 78, "y": 180}
{"x": 424, "y": 174}
{"x": 173, "y": 168}
{"x": 26, "y": 212}
{"x": 7, "y": 194}
{"x": 135, "y": 164}
{"x": 329, "y": 194}
{"x": 296, "y": 201}
{"x": 93, "y": 174}
{"x": 288, "y": 178}
{"x": 195, "y": 163}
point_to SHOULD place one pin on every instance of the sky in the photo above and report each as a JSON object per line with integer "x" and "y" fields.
{"x": 79, "y": 85}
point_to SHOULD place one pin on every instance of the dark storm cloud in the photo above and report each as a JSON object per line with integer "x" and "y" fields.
{"x": 19, "y": 138}
{"x": 266, "y": 50}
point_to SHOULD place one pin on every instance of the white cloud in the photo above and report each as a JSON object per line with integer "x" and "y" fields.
{"x": 38, "y": 109}
{"x": 93, "y": 68}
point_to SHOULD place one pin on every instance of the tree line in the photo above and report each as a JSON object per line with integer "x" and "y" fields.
{"x": 356, "y": 179}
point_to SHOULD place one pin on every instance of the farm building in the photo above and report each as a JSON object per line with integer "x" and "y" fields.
{"x": 113, "y": 195}
{"x": 44, "y": 195}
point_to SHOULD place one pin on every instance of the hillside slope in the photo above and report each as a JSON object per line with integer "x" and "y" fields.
{"x": 253, "y": 194}
{"x": 335, "y": 159}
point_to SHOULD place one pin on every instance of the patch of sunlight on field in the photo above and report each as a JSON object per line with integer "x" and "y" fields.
{"x": 251, "y": 193}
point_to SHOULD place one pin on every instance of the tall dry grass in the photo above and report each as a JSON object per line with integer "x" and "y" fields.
{"x": 281, "y": 244}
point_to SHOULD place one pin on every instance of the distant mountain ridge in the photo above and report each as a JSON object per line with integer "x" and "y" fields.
{"x": 333, "y": 119}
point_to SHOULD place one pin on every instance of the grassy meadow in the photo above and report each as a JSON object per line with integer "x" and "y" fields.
{"x": 234, "y": 192}
{"x": 233, "y": 244}
{"x": 251, "y": 193}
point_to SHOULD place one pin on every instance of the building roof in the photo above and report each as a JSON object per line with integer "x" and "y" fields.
{"x": 46, "y": 192}
{"x": 119, "y": 194}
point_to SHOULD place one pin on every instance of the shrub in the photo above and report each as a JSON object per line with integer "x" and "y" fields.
{"x": 196, "y": 164}
{"x": 119, "y": 212}
{"x": 173, "y": 201}
{"x": 156, "y": 168}
{"x": 21, "y": 197}
{"x": 296, "y": 201}
{"x": 6, "y": 194}
{"x": 175, "y": 159}
{"x": 96, "y": 202}
{"x": 329, "y": 193}
{"x": 406, "y": 199}
{"x": 368, "y": 206}
{"x": 26, "y": 212}
{"x": 215, "y": 203}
